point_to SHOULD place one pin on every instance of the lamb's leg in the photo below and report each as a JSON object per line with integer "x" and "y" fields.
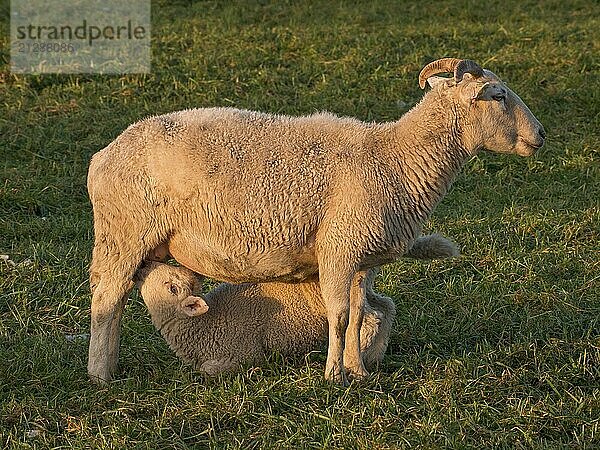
{"x": 380, "y": 312}
{"x": 216, "y": 366}
{"x": 371, "y": 318}
{"x": 369, "y": 330}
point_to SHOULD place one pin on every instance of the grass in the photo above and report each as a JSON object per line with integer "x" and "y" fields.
{"x": 499, "y": 348}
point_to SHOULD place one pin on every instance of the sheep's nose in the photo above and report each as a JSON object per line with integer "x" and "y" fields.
{"x": 542, "y": 133}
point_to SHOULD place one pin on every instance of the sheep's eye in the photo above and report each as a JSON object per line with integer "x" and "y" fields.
{"x": 498, "y": 97}
{"x": 174, "y": 290}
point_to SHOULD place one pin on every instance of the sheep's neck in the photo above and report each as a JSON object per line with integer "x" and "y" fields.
{"x": 163, "y": 322}
{"x": 179, "y": 334}
{"x": 429, "y": 153}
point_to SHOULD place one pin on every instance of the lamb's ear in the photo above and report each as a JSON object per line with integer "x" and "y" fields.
{"x": 194, "y": 306}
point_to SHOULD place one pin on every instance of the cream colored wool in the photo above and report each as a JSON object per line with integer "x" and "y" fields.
{"x": 246, "y": 322}
{"x": 235, "y": 324}
{"x": 243, "y": 196}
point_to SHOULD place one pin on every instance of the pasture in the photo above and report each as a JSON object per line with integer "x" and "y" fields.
{"x": 499, "y": 348}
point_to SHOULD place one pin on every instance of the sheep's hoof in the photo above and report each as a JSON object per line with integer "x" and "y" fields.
{"x": 99, "y": 374}
{"x": 337, "y": 375}
{"x": 357, "y": 375}
{"x": 100, "y": 380}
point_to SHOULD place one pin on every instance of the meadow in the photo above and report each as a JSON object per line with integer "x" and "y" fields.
{"x": 499, "y": 348}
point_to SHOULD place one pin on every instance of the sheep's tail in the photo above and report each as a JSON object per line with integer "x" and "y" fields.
{"x": 433, "y": 246}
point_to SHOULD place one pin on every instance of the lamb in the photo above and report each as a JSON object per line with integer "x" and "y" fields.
{"x": 243, "y": 196}
{"x": 236, "y": 324}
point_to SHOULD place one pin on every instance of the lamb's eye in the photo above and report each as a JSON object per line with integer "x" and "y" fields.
{"x": 174, "y": 290}
{"x": 498, "y": 97}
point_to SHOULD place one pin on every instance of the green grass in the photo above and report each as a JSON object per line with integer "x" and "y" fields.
{"x": 497, "y": 349}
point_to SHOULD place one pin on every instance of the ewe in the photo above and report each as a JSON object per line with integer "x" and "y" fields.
{"x": 243, "y": 196}
{"x": 242, "y": 323}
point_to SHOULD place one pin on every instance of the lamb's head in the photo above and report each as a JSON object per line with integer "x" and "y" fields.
{"x": 495, "y": 118}
{"x": 168, "y": 292}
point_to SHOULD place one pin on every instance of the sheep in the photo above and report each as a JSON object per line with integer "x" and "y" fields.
{"x": 235, "y": 324}
{"x": 243, "y": 196}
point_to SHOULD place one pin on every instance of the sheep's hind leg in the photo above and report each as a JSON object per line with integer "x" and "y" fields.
{"x": 108, "y": 303}
{"x": 110, "y": 288}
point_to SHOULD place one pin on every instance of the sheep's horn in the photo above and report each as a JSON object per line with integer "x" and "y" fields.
{"x": 467, "y": 66}
{"x": 440, "y": 66}
{"x": 453, "y": 65}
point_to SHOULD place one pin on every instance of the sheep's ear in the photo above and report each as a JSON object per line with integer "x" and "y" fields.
{"x": 482, "y": 92}
{"x": 489, "y": 91}
{"x": 194, "y": 306}
{"x": 436, "y": 81}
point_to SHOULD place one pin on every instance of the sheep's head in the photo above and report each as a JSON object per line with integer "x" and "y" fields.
{"x": 496, "y": 118}
{"x": 168, "y": 291}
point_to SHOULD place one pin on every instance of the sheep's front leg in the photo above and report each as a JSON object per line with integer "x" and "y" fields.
{"x": 353, "y": 360}
{"x": 336, "y": 293}
{"x": 343, "y": 307}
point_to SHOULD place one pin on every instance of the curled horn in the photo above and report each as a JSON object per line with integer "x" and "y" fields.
{"x": 453, "y": 65}
{"x": 467, "y": 66}
{"x": 440, "y": 66}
